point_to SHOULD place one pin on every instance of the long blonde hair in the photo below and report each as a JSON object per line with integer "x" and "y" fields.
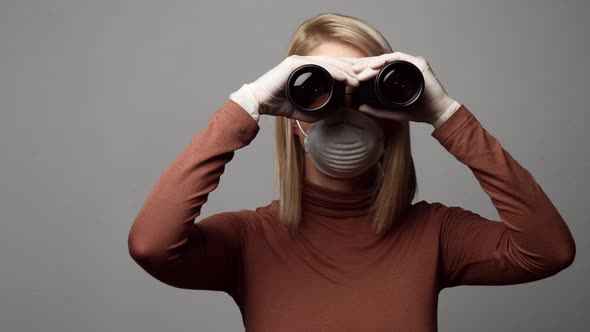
{"x": 393, "y": 192}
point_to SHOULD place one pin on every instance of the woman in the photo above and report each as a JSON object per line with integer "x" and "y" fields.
{"x": 343, "y": 247}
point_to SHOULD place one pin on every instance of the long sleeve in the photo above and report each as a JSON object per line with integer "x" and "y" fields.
{"x": 164, "y": 238}
{"x": 531, "y": 242}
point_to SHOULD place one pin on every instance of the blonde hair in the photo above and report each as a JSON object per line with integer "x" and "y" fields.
{"x": 394, "y": 191}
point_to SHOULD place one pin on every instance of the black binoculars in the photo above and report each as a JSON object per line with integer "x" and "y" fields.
{"x": 311, "y": 88}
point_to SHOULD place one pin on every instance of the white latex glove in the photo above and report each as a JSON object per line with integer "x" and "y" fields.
{"x": 434, "y": 105}
{"x": 267, "y": 94}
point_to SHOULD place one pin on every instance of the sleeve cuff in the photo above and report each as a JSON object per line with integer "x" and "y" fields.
{"x": 245, "y": 98}
{"x": 447, "y": 114}
{"x": 453, "y": 124}
{"x": 248, "y": 127}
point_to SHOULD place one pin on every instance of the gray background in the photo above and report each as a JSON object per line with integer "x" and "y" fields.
{"x": 97, "y": 98}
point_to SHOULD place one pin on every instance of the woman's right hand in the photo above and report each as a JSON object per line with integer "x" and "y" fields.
{"x": 267, "y": 94}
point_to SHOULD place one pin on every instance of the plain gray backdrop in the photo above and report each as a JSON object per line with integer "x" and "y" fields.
{"x": 97, "y": 98}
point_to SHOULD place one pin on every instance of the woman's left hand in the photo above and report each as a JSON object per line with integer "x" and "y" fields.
{"x": 433, "y": 102}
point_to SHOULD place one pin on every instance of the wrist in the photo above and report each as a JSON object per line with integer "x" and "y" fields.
{"x": 446, "y": 113}
{"x": 246, "y": 99}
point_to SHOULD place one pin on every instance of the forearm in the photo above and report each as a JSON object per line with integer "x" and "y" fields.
{"x": 538, "y": 240}
{"x": 162, "y": 226}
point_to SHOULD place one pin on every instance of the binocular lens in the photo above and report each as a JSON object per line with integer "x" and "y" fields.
{"x": 310, "y": 87}
{"x": 400, "y": 83}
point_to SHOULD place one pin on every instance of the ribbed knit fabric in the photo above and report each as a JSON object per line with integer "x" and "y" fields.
{"x": 336, "y": 274}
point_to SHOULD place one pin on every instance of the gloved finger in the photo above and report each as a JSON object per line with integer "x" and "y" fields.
{"x": 371, "y": 61}
{"x": 367, "y": 74}
{"x": 381, "y": 60}
{"x": 342, "y": 64}
{"x": 352, "y": 60}
{"x": 417, "y": 61}
{"x": 340, "y": 75}
{"x": 361, "y": 64}
{"x": 428, "y": 75}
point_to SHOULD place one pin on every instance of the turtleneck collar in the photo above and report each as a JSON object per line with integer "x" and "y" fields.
{"x": 334, "y": 203}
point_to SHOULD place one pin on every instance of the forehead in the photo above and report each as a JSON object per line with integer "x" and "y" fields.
{"x": 337, "y": 48}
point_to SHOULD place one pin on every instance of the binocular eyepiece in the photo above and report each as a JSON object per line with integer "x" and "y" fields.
{"x": 311, "y": 88}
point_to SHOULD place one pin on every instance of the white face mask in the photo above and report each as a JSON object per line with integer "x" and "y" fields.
{"x": 344, "y": 150}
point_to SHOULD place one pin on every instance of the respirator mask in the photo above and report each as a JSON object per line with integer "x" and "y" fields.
{"x": 345, "y": 144}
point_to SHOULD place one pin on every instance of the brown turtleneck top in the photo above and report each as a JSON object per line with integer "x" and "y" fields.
{"x": 336, "y": 274}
